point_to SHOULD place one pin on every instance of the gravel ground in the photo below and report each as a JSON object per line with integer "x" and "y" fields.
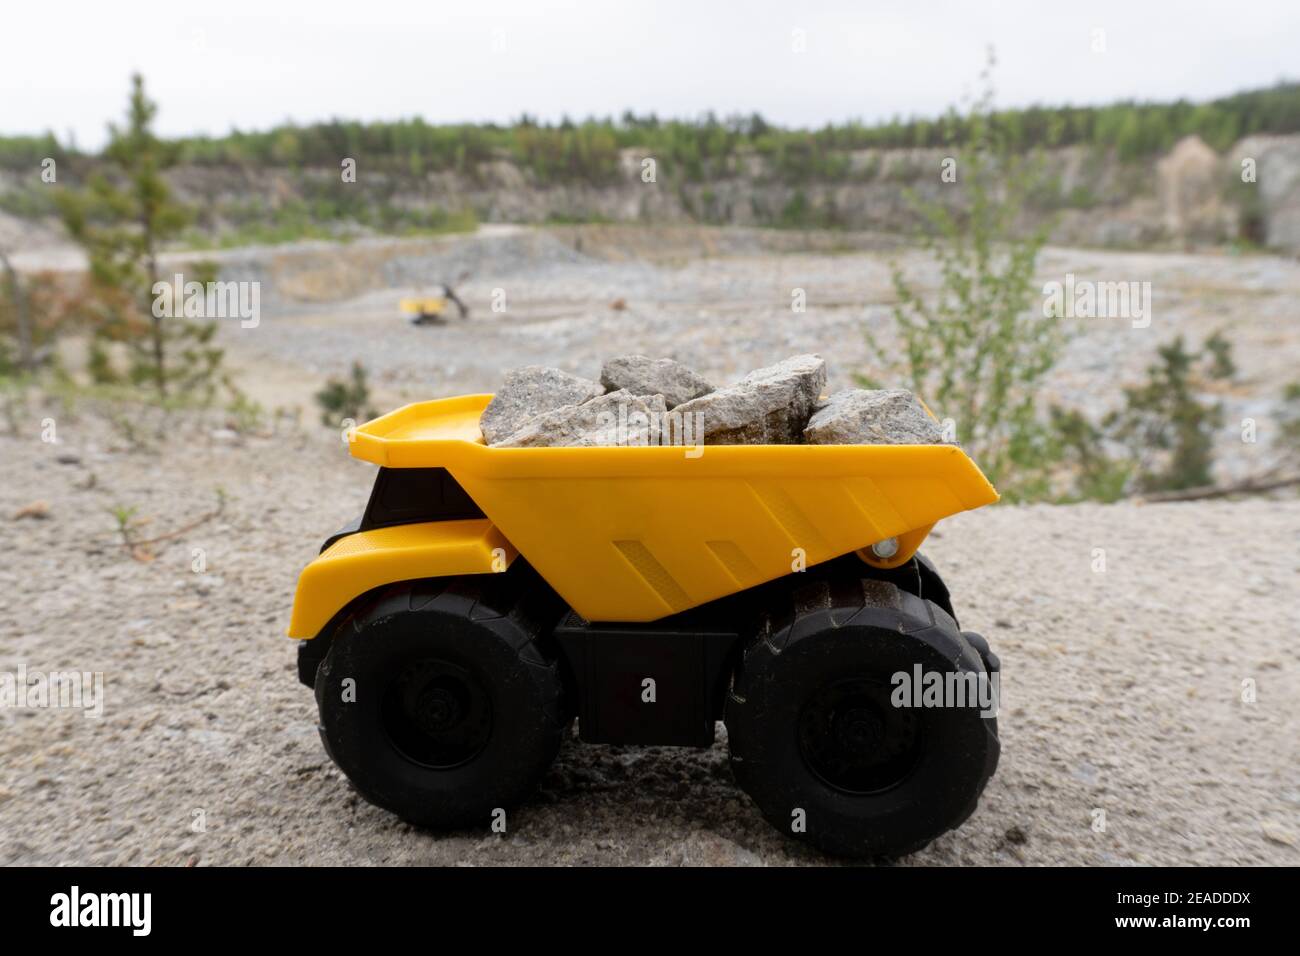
{"x": 1122, "y": 689}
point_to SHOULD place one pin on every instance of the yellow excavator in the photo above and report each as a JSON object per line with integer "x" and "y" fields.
{"x": 433, "y": 310}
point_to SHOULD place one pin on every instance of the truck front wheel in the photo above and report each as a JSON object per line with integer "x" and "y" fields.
{"x": 441, "y": 703}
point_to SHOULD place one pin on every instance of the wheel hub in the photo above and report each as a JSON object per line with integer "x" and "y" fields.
{"x": 858, "y": 730}
{"x": 438, "y": 710}
{"x": 855, "y": 740}
{"x": 437, "y": 714}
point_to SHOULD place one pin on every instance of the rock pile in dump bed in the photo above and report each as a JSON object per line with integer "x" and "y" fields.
{"x": 594, "y": 422}
{"x": 642, "y": 401}
{"x": 861, "y": 416}
{"x": 531, "y": 391}
{"x": 645, "y": 376}
{"x": 769, "y": 406}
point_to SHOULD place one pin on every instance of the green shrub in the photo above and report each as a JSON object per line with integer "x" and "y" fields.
{"x": 122, "y": 219}
{"x": 1162, "y": 439}
{"x": 977, "y": 351}
{"x": 341, "y": 400}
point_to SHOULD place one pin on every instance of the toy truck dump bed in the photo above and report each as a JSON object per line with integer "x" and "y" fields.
{"x": 636, "y": 534}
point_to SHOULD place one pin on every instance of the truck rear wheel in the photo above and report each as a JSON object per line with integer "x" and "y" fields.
{"x": 441, "y": 702}
{"x": 817, "y": 739}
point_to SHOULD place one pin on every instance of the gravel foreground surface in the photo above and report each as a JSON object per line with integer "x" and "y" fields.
{"x": 1121, "y": 693}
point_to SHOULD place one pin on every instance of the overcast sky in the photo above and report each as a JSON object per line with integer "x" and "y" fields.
{"x": 221, "y": 63}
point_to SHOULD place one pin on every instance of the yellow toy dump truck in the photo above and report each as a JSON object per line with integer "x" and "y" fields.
{"x": 488, "y": 596}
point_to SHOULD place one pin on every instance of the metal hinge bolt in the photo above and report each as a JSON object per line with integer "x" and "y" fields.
{"x": 885, "y": 549}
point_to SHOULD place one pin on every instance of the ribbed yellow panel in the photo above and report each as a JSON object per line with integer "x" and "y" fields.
{"x": 635, "y": 534}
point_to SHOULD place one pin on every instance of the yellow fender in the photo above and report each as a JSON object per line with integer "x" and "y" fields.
{"x": 359, "y": 562}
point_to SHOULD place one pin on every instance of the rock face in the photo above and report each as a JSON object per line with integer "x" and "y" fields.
{"x": 769, "y": 406}
{"x": 860, "y": 416}
{"x": 615, "y": 418}
{"x": 531, "y": 391}
{"x": 1277, "y": 178}
{"x": 642, "y": 375}
{"x": 1191, "y": 205}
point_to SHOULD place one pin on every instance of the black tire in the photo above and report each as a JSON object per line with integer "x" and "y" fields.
{"x": 811, "y": 727}
{"x": 932, "y": 587}
{"x": 457, "y": 707}
{"x": 918, "y": 576}
{"x": 992, "y": 663}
